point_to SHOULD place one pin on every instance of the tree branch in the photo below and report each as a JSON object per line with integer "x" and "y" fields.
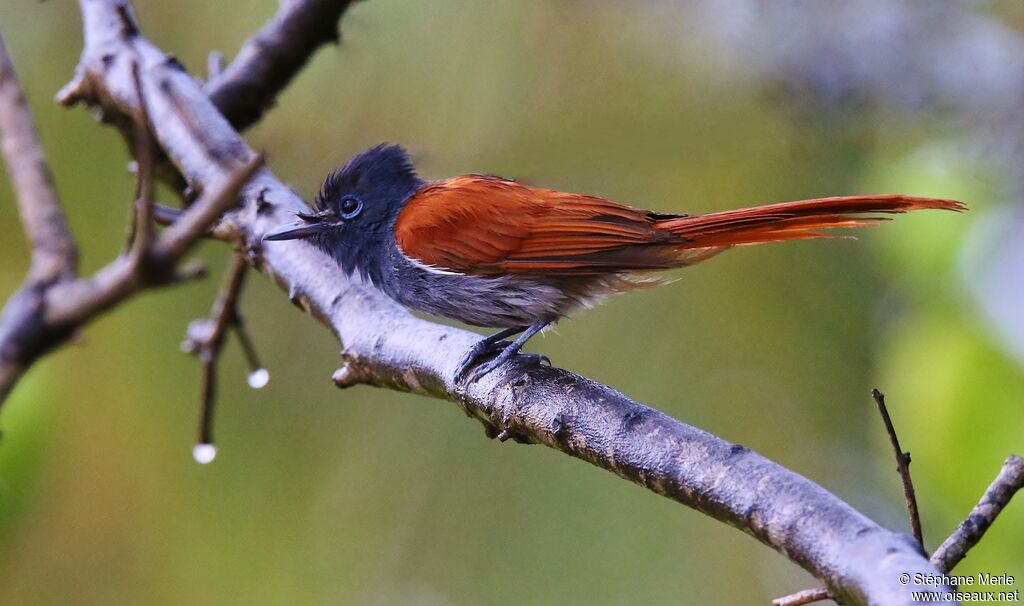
{"x": 902, "y": 468}
{"x": 205, "y": 339}
{"x": 970, "y": 531}
{"x": 966, "y": 536}
{"x": 386, "y": 346}
{"x": 54, "y": 254}
{"x": 72, "y": 304}
{"x": 807, "y": 596}
{"x": 267, "y": 62}
{"x": 51, "y": 305}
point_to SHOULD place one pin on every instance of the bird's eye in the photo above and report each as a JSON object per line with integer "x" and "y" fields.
{"x": 349, "y": 207}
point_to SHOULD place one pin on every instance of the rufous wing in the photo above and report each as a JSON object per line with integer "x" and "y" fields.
{"x": 482, "y": 225}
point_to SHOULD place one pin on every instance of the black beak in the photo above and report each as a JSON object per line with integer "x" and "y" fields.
{"x": 295, "y": 231}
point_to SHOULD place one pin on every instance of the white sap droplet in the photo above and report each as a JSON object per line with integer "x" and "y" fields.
{"x": 204, "y": 453}
{"x": 259, "y": 378}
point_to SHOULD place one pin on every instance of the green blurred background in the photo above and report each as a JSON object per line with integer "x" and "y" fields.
{"x": 372, "y": 497}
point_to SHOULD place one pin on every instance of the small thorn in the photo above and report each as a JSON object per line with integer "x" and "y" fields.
{"x": 204, "y": 453}
{"x": 259, "y": 378}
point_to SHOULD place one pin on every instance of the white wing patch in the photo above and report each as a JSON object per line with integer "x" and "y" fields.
{"x": 431, "y": 268}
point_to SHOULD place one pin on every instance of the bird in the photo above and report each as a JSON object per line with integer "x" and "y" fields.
{"x": 492, "y": 252}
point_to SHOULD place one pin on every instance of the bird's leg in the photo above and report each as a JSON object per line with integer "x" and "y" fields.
{"x": 483, "y": 347}
{"x": 509, "y": 351}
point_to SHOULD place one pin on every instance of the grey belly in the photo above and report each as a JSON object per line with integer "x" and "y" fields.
{"x": 496, "y": 301}
{"x": 484, "y": 301}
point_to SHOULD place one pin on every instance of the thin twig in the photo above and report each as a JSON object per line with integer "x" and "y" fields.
{"x": 970, "y": 531}
{"x": 166, "y": 215}
{"x": 53, "y": 305}
{"x": 54, "y": 254}
{"x": 197, "y": 219}
{"x": 143, "y": 229}
{"x": 205, "y": 339}
{"x": 73, "y": 303}
{"x": 902, "y": 467}
{"x": 223, "y": 229}
{"x": 807, "y": 596}
{"x": 258, "y": 375}
{"x": 207, "y": 398}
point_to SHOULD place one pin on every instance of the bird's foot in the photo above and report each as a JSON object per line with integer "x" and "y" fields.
{"x": 505, "y": 350}
{"x": 506, "y": 355}
{"x": 480, "y": 350}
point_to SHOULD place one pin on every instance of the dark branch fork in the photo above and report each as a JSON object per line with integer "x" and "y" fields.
{"x": 205, "y": 339}
{"x": 857, "y": 559}
{"x": 966, "y": 536}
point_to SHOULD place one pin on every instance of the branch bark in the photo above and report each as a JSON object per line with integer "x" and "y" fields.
{"x": 977, "y": 523}
{"x": 54, "y": 254}
{"x": 386, "y": 346}
{"x": 954, "y": 549}
{"x": 53, "y": 304}
{"x": 267, "y": 62}
{"x": 902, "y": 468}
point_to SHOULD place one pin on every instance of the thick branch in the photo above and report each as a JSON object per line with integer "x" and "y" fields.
{"x": 52, "y": 305}
{"x": 966, "y": 536}
{"x": 46, "y": 311}
{"x": 386, "y": 346}
{"x": 268, "y": 61}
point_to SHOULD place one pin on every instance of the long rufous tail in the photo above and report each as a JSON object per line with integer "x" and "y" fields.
{"x": 792, "y": 220}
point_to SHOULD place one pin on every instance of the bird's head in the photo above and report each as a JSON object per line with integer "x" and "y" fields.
{"x": 356, "y": 206}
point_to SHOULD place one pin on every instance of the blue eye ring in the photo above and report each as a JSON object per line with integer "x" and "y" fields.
{"x": 349, "y": 207}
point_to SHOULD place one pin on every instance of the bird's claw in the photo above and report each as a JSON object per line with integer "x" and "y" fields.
{"x": 468, "y": 374}
{"x": 481, "y": 349}
{"x": 489, "y": 366}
